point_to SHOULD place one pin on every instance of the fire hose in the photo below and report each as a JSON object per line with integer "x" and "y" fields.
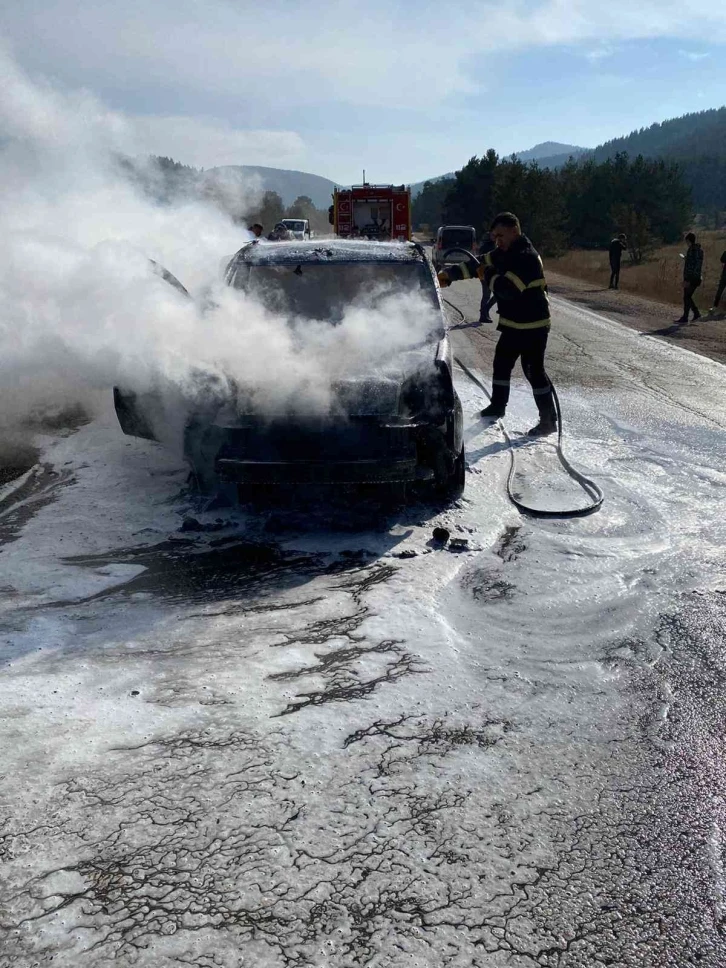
{"x": 592, "y": 490}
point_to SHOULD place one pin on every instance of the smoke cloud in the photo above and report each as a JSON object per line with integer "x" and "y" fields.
{"x": 81, "y": 308}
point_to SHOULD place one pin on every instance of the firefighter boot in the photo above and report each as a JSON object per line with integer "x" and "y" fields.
{"x": 547, "y": 416}
{"x": 498, "y": 406}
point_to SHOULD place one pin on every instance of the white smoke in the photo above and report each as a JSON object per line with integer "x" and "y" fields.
{"x": 81, "y": 308}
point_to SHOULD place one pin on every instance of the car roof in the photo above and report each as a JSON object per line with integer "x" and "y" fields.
{"x": 445, "y": 228}
{"x": 328, "y": 251}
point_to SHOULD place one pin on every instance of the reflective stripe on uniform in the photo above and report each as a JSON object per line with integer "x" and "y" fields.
{"x": 540, "y": 391}
{"x": 501, "y": 383}
{"x": 521, "y": 286}
{"x": 538, "y": 324}
{"x": 516, "y": 280}
{"x": 465, "y": 274}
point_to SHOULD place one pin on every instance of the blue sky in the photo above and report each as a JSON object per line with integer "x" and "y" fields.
{"x": 402, "y": 89}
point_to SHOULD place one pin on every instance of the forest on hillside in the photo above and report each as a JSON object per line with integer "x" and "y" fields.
{"x": 696, "y": 141}
{"x": 579, "y": 205}
{"x": 700, "y": 133}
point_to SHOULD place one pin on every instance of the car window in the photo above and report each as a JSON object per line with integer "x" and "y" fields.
{"x": 326, "y": 291}
{"x": 452, "y": 237}
{"x": 295, "y": 224}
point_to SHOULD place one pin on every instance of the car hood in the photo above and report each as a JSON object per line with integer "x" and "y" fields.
{"x": 356, "y": 394}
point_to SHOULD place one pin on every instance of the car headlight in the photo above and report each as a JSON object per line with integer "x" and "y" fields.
{"x": 428, "y": 393}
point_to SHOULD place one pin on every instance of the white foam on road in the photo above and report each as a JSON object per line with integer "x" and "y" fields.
{"x": 346, "y": 739}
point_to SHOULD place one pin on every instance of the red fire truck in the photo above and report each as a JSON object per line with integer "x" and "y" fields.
{"x": 372, "y": 212}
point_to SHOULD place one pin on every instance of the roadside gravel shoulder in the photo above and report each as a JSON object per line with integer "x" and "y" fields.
{"x": 707, "y": 336}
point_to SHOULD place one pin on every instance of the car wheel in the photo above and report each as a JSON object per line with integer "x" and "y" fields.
{"x": 201, "y": 444}
{"x": 396, "y": 494}
{"x": 453, "y": 486}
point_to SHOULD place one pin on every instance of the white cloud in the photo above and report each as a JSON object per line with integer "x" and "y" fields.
{"x": 598, "y": 54}
{"x": 204, "y": 143}
{"x": 277, "y": 52}
{"x": 283, "y": 54}
{"x": 694, "y": 55}
{"x": 240, "y": 72}
{"x": 39, "y": 111}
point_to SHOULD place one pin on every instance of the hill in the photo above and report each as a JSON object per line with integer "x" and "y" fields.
{"x": 700, "y": 133}
{"x": 417, "y": 187}
{"x": 696, "y": 141}
{"x": 288, "y": 184}
{"x": 550, "y": 149}
{"x": 546, "y": 149}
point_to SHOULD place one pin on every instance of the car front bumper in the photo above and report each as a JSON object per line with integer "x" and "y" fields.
{"x": 357, "y": 451}
{"x": 242, "y": 471}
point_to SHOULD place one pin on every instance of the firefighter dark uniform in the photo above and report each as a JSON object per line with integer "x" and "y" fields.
{"x": 516, "y": 277}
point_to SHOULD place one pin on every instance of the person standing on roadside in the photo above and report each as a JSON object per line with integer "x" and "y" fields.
{"x": 256, "y": 229}
{"x": 618, "y": 245}
{"x": 513, "y": 271}
{"x": 692, "y": 277}
{"x": 721, "y": 284}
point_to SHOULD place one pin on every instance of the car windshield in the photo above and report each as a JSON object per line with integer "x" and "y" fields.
{"x": 452, "y": 237}
{"x": 295, "y": 224}
{"x": 326, "y": 291}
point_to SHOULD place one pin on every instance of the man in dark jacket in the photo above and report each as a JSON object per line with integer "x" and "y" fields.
{"x": 617, "y": 247}
{"x": 721, "y": 284}
{"x": 513, "y": 271}
{"x": 692, "y": 277}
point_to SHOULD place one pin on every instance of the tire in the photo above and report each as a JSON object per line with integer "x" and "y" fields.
{"x": 396, "y": 494}
{"x": 456, "y": 481}
{"x": 201, "y": 445}
{"x": 448, "y": 484}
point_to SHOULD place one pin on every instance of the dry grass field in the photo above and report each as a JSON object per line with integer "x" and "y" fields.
{"x": 659, "y": 278}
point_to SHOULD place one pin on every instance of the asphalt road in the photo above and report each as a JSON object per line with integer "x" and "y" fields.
{"x": 308, "y": 737}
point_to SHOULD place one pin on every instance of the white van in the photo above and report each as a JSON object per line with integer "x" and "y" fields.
{"x": 300, "y": 227}
{"x": 453, "y": 237}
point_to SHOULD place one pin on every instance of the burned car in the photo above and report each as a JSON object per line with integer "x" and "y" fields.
{"x": 400, "y": 422}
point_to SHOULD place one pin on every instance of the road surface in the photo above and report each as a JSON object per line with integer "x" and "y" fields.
{"x": 313, "y": 738}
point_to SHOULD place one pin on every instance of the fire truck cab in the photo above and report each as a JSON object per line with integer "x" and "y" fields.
{"x": 380, "y": 212}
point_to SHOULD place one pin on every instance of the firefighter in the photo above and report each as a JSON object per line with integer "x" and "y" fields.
{"x": 513, "y": 271}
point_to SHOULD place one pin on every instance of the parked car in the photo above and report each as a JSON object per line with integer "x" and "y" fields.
{"x": 449, "y": 237}
{"x": 395, "y": 425}
{"x": 300, "y": 228}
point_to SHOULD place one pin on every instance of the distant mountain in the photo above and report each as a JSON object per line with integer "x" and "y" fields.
{"x": 700, "y": 133}
{"x": 417, "y": 187}
{"x": 691, "y": 136}
{"x": 550, "y": 149}
{"x": 544, "y": 150}
{"x": 696, "y": 141}
{"x": 288, "y": 184}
